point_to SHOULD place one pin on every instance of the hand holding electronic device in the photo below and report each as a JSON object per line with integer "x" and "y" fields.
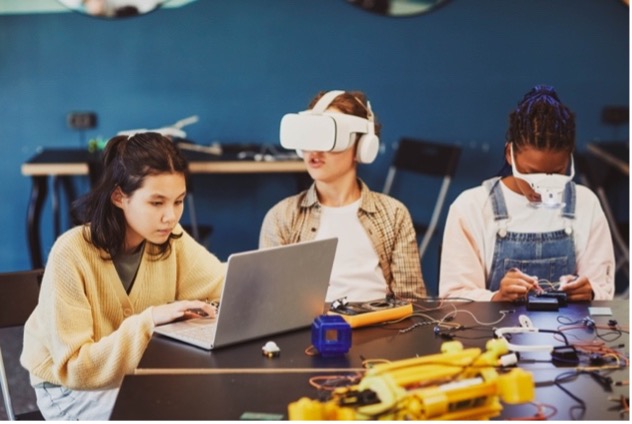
{"x": 515, "y": 285}
{"x": 576, "y": 288}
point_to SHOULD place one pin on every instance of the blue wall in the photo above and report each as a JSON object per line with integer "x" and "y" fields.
{"x": 451, "y": 75}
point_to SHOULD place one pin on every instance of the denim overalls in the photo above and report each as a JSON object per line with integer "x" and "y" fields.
{"x": 543, "y": 255}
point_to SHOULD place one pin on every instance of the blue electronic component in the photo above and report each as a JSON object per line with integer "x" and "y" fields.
{"x": 331, "y": 335}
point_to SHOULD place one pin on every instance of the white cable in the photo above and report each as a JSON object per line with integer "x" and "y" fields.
{"x": 456, "y": 311}
{"x": 500, "y": 333}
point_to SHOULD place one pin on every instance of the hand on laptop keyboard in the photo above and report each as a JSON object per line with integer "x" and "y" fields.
{"x": 182, "y": 309}
{"x": 196, "y": 313}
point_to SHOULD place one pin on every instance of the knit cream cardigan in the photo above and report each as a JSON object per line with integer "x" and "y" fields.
{"x": 86, "y": 331}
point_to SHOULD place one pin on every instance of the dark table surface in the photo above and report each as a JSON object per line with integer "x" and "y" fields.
{"x": 176, "y": 381}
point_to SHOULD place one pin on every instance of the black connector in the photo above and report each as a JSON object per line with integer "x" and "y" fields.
{"x": 604, "y": 381}
{"x": 356, "y": 398}
{"x": 589, "y": 322}
{"x": 596, "y": 359}
{"x": 564, "y": 356}
{"x": 538, "y": 303}
{"x": 562, "y": 298}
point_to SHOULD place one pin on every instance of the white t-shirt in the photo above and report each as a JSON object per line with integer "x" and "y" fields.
{"x": 356, "y": 273}
{"x": 470, "y": 236}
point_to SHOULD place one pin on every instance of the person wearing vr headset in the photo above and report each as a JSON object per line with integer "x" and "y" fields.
{"x": 377, "y": 254}
{"x": 532, "y": 228}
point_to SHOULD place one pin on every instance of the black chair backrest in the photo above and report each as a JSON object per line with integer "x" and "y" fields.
{"x": 19, "y": 292}
{"x": 427, "y": 157}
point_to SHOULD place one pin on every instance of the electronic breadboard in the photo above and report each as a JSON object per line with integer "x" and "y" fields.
{"x": 373, "y": 312}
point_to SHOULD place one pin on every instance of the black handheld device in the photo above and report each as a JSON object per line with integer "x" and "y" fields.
{"x": 562, "y": 298}
{"x": 537, "y": 302}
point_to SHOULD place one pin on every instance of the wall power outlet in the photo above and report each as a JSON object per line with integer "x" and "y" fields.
{"x": 82, "y": 120}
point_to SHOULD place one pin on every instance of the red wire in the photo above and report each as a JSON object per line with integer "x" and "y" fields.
{"x": 539, "y": 414}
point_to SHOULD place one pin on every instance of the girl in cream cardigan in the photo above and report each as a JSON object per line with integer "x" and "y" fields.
{"x": 108, "y": 282}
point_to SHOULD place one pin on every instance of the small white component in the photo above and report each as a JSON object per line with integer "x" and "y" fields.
{"x": 508, "y": 360}
{"x": 525, "y": 321}
{"x": 270, "y": 349}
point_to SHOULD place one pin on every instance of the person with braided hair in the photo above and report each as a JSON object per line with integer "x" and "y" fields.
{"x": 531, "y": 228}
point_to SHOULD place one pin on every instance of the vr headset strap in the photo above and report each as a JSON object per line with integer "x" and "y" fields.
{"x": 323, "y": 103}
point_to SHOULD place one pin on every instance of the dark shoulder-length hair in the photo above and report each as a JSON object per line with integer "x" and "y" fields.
{"x": 127, "y": 161}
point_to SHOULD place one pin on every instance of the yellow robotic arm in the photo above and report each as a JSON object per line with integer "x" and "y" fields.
{"x": 456, "y": 384}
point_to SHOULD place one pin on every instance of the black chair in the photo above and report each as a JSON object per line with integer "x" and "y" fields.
{"x": 431, "y": 159}
{"x": 201, "y": 233}
{"x": 19, "y": 292}
{"x": 592, "y": 173}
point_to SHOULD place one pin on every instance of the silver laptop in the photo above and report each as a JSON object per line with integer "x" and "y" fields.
{"x": 266, "y": 292}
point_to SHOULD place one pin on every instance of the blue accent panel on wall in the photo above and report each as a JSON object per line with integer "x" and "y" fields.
{"x": 452, "y": 75}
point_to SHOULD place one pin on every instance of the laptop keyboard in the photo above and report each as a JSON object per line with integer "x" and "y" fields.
{"x": 197, "y": 331}
{"x": 204, "y": 334}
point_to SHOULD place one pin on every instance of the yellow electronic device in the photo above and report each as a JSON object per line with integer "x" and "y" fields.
{"x": 457, "y": 384}
{"x": 373, "y": 312}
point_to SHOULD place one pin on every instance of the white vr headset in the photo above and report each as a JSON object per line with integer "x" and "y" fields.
{"x": 550, "y": 187}
{"x": 317, "y": 130}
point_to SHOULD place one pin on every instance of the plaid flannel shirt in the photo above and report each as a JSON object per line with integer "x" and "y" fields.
{"x": 385, "y": 219}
